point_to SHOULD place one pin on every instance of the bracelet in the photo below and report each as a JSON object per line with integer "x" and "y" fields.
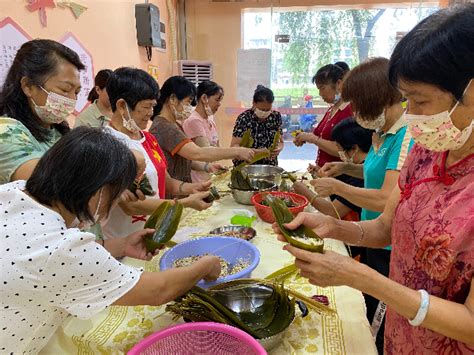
{"x": 312, "y": 199}
{"x": 362, "y": 233}
{"x": 180, "y": 189}
{"x": 422, "y": 311}
{"x": 206, "y": 167}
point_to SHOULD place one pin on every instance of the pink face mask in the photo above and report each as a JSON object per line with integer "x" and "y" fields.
{"x": 437, "y": 132}
{"x": 56, "y": 109}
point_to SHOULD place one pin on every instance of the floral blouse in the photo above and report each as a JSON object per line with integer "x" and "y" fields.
{"x": 261, "y": 131}
{"x": 433, "y": 244}
{"x": 17, "y": 146}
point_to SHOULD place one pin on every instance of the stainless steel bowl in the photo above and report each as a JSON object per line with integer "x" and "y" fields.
{"x": 267, "y": 173}
{"x": 235, "y": 231}
{"x": 243, "y": 196}
{"x": 255, "y": 296}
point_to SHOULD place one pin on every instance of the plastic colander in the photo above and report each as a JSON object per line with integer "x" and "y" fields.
{"x": 199, "y": 338}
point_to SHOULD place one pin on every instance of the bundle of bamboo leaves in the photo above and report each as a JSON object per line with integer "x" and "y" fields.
{"x": 260, "y": 308}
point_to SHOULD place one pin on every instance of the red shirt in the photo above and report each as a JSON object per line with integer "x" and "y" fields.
{"x": 324, "y": 129}
{"x": 156, "y": 155}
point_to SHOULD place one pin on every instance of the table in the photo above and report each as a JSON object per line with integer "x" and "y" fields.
{"x": 118, "y": 328}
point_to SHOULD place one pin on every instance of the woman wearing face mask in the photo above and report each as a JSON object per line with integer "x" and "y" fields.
{"x": 133, "y": 94}
{"x": 263, "y": 123}
{"x": 328, "y": 80}
{"x": 377, "y": 107}
{"x": 98, "y": 113}
{"x": 353, "y": 143}
{"x": 39, "y": 93}
{"x": 429, "y": 217}
{"x": 201, "y": 126}
{"x": 50, "y": 269}
{"x": 174, "y": 105}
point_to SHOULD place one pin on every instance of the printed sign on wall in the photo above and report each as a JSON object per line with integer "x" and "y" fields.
{"x": 87, "y": 75}
{"x": 12, "y": 36}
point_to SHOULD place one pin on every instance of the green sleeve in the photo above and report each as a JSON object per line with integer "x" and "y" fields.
{"x": 17, "y": 146}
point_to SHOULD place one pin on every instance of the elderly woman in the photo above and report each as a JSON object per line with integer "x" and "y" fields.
{"x": 132, "y": 94}
{"x": 50, "y": 269}
{"x": 429, "y": 217}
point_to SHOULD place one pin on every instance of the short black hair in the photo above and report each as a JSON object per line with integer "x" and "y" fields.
{"x": 208, "y": 88}
{"x": 263, "y": 94}
{"x": 348, "y": 133}
{"x": 36, "y": 60}
{"x": 178, "y": 86}
{"x": 100, "y": 80}
{"x": 438, "y": 51}
{"x": 82, "y": 162}
{"x": 328, "y": 74}
{"x": 132, "y": 85}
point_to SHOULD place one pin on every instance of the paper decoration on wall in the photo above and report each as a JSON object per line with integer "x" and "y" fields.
{"x": 12, "y": 36}
{"x": 40, "y": 6}
{"x": 87, "y": 75}
{"x": 253, "y": 68}
{"x": 153, "y": 71}
{"x": 76, "y": 8}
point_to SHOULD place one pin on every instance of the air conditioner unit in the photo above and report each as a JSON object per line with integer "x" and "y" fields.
{"x": 193, "y": 70}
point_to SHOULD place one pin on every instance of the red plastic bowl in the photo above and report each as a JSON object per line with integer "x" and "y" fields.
{"x": 265, "y": 212}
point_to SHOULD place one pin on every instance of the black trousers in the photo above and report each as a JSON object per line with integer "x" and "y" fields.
{"x": 377, "y": 259}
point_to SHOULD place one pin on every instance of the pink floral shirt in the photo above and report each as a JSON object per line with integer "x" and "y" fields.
{"x": 433, "y": 244}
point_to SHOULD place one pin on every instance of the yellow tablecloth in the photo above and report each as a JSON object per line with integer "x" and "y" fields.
{"x": 117, "y": 329}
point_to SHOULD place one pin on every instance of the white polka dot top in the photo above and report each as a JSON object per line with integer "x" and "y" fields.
{"x": 49, "y": 272}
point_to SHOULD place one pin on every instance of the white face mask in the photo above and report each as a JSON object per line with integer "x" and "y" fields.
{"x": 262, "y": 114}
{"x": 95, "y": 218}
{"x": 56, "y": 109}
{"x": 130, "y": 124}
{"x": 437, "y": 132}
{"x": 345, "y": 158}
{"x": 376, "y": 124}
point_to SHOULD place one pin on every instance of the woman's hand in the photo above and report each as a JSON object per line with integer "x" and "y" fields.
{"x": 195, "y": 201}
{"x": 134, "y": 246}
{"x": 214, "y": 266}
{"x": 129, "y": 196}
{"x": 327, "y": 269}
{"x": 332, "y": 169}
{"x": 274, "y": 154}
{"x": 326, "y": 186}
{"x": 313, "y": 170}
{"x": 324, "y": 226}
{"x": 302, "y": 189}
{"x": 192, "y": 188}
{"x": 303, "y": 137}
{"x": 246, "y": 154}
{"x": 215, "y": 167}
